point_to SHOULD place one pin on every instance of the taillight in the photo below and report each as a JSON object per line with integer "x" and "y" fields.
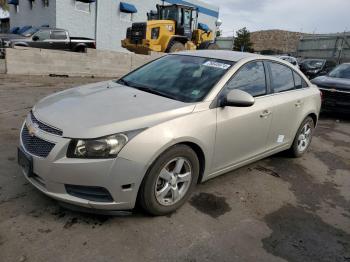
{"x": 94, "y": 44}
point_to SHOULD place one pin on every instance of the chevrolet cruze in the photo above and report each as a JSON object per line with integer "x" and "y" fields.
{"x": 155, "y": 133}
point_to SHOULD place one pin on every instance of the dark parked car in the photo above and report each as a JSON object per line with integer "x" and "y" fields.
{"x": 316, "y": 67}
{"x": 49, "y": 38}
{"x": 335, "y": 88}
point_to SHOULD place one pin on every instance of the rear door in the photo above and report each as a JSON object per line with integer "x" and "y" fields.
{"x": 242, "y": 132}
{"x": 59, "y": 40}
{"x": 288, "y": 99}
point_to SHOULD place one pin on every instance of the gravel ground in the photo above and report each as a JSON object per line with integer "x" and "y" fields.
{"x": 277, "y": 209}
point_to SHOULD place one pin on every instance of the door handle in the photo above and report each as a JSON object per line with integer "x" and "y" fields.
{"x": 265, "y": 113}
{"x": 299, "y": 103}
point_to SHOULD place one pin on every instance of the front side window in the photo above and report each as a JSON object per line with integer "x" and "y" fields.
{"x": 180, "y": 77}
{"x": 61, "y": 35}
{"x": 282, "y": 77}
{"x": 250, "y": 78}
{"x": 43, "y": 35}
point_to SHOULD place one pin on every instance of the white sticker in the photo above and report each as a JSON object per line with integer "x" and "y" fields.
{"x": 280, "y": 138}
{"x": 217, "y": 65}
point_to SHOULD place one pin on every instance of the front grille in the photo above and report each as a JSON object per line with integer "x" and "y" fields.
{"x": 138, "y": 32}
{"x": 45, "y": 127}
{"x": 36, "y": 145}
{"x": 92, "y": 193}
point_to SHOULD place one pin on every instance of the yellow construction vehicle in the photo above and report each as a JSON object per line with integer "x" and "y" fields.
{"x": 172, "y": 28}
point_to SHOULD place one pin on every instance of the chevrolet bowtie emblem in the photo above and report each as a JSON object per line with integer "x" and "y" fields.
{"x": 32, "y": 129}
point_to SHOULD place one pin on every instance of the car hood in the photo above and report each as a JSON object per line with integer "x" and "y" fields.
{"x": 332, "y": 82}
{"x": 105, "y": 108}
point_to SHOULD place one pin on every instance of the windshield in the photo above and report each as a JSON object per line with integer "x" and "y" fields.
{"x": 29, "y": 32}
{"x": 313, "y": 64}
{"x": 169, "y": 13}
{"x": 341, "y": 71}
{"x": 180, "y": 77}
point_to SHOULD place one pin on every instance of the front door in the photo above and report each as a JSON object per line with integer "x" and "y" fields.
{"x": 41, "y": 39}
{"x": 242, "y": 132}
{"x": 187, "y": 22}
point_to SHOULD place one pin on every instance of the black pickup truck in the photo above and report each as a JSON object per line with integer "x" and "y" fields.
{"x": 47, "y": 38}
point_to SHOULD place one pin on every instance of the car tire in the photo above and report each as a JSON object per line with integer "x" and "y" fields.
{"x": 164, "y": 189}
{"x": 176, "y": 46}
{"x": 302, "y": 138}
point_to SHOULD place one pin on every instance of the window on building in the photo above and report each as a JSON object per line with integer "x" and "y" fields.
{"x": 82, "y": 6}
{"x": 45, "y": 3}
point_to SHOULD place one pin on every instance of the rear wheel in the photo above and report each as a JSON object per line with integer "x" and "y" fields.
{"x": 81, "y": 49}
{"x": 170, "y": 180}
{"x": 303, "y": 137}
{"x": 176, "y": 46}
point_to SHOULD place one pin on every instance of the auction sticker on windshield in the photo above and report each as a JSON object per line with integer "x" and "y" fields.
{"x": 217, "y": 65}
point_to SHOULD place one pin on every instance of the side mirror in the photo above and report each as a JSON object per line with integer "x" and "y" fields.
{"x": 35, "y": 38}
{"x": 237, "y": 98}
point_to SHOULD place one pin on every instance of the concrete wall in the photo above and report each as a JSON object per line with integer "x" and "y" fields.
{"x": 37, "y": 16}
{"x": 99, "y": 63}
{"x": 2, "y": 66}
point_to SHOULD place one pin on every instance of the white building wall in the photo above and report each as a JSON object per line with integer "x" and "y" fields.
{"x": 77, "y": 22}
{"x": 39, "y": 15}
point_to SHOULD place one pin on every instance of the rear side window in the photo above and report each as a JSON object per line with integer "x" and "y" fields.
{"x": 299, "y": 81}
{"x": 282, "y": 77}
{"x": 58, "y": 35}
{"x": 250, "y": 78}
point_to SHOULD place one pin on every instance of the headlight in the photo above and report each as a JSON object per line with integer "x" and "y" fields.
{"x": 155, "y": 33}
{"x": 106, "y": 147}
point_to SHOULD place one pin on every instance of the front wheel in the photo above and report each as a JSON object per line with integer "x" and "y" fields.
{"x": 303, "y": 138}
{"x": 170, "y": 180}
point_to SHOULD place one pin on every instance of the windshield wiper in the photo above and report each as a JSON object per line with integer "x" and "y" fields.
{"x": 143, "y": 88}
{"x": 152, "y": 91}
{"x": 123, "y": 82}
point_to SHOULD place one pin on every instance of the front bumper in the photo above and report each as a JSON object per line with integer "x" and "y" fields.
{"x": 119, "y": 176}
{"x": 335, "y": 100}
{"x": 144, "y": 48}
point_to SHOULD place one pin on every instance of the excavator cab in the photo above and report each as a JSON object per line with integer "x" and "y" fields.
{"x": 171, "y": 28}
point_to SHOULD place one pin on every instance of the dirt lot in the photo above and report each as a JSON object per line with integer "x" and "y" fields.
{"x": 278, "y": 209}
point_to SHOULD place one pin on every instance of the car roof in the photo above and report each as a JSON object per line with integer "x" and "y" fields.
{"x": 222, "y": 54}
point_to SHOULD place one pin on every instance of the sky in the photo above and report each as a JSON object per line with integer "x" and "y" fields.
{"x": 307, "y": 16}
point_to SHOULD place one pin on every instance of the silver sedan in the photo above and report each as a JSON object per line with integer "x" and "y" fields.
{"x": 152, "y": 135}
